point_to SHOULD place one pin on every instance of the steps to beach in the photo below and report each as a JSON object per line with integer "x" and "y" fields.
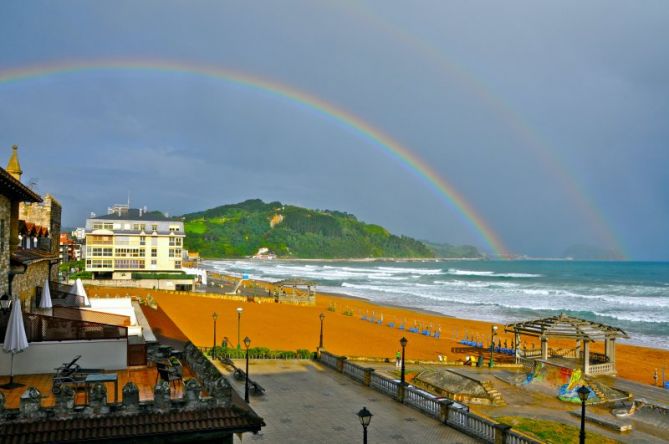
{"x": 495, "y": 396}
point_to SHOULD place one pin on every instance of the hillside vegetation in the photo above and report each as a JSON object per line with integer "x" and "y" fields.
{"x": 239, "y": 230}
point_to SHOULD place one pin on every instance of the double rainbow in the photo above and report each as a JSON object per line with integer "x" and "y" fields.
{"x": 376, "y": 138}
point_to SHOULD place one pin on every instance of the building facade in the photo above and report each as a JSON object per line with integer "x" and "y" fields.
{"x": 29, "y": 232}
{"x": 133, "y": 241}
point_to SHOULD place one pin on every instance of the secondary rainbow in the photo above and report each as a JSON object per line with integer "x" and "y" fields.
{"x": 381, "y": 141}
{"x": 533, "y": 141}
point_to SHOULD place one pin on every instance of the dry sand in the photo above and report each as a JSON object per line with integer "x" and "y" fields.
{"x": 292, "y": 327}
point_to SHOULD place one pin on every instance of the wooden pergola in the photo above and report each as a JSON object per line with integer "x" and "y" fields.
{"x": 582, "y": 331}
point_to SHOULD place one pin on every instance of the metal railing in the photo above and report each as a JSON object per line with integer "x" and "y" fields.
{"x": 354, "y": 371}
{"x": 422, "y": 402}
{"x": 328, "y": 359}
{"x": 384, "y": 385}
{"x": 513, "y": 437}
{"x": 445, "y": 411}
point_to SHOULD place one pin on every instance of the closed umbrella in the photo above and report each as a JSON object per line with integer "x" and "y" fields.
{"x": 15, "y": 339}
{"x": 45, "y": 301}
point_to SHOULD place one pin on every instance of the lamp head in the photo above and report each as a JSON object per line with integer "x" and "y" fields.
{"x": 247, "y": 342}
{"x": 240, "y": 310}
{"x": 322, "y": 316}
{"x": 365, "y": 416}
{"x": 494, "y": 328}
{"x": 403, "y": 341}
{"x": 5, "y": 303}
{"x": 583, "y": 393}
{"x": 214, "y": 316}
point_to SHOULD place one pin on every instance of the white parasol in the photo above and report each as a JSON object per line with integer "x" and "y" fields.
{"x": 45, "y": 301}
{"x": 15, "y": 339}
{"x": 79, "y": 290}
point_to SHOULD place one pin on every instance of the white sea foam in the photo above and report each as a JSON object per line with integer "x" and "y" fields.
{"x": 457, "y": 272}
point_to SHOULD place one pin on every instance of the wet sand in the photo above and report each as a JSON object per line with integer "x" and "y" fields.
{"x": 292, "y": 327}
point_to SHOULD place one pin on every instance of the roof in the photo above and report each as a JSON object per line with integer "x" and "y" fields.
{"x": 28, "y": 256}
{"x": 133, "y": 214}
{"x": 131, "y": 428}
{"x": 563, "y": 325}
{"x": 14, "y": 189}
{"x": 295, "y": 282}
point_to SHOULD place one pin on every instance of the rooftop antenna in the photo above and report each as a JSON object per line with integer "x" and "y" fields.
{"x": 128, "y": 199}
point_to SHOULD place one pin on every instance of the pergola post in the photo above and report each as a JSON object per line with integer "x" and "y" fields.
{"x": 612, "y": 353}
{"x": 516, "y": 343}
{"x": 544, "y": 347}
{"x": 586, "y": 356}
{"x": 577, "y": 350}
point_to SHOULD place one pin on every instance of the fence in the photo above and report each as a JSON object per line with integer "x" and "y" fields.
{"x": 442, "y": 409}
{"x": 599, "y": 369}
{"x": 41, "y": 328}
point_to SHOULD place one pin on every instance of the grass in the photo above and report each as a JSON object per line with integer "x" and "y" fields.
{"x": 552, "y": 432}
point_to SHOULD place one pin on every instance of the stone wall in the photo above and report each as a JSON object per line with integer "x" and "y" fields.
{"x": 24, "y": 284}
{"x": 47, "y": 214}
{"x": 5, "y": 211}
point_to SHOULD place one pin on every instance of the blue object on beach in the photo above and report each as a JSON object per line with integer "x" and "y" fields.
{"x": 380, "y": 322}
{"x": 363, "y": 318}
{"x": 437, "y": 335}
{"x": 401, "y": 327}
{"x": 391, "y": 324}
{"x": 666, "y": 385}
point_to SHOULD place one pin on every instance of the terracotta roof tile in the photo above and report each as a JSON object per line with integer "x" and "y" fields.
{"x": 116, "y": 426}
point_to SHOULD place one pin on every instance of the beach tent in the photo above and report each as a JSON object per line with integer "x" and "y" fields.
{"x": 15, "y": 339}
{"x": 45, "y": 301}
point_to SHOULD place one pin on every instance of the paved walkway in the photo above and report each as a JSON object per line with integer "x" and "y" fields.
{"x": 308, "y": 403}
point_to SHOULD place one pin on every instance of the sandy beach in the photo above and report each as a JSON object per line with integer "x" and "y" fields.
{"x": 292, "y": 327}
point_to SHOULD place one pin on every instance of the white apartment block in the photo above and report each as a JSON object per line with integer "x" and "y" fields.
{"x": 118, "y": 245}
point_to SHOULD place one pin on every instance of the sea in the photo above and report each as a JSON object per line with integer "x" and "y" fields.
{"x": 633, "y": 296}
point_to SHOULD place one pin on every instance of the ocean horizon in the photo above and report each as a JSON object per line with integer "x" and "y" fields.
{"x": 633, "y": 296}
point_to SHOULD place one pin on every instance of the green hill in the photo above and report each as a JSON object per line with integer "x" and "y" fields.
{"x": 239, "y": 230}
{"x": 454, "y": 251}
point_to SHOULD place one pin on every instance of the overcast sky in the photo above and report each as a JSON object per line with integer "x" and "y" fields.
{"x": 551, "y": 120}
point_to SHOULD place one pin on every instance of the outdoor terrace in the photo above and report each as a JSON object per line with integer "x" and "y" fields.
{"x": 144, "y": 377}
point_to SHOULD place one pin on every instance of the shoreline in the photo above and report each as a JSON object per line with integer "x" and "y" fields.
{"x": 292, "y": 327}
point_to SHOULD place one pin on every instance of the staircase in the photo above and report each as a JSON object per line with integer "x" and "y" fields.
{"x": 495, "y": 396}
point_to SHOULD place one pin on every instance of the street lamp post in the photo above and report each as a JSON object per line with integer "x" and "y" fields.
{"x": 491, "y": 363}
{"x": 214, "y": 316}
{"x": 365, "y": 418}
{"x": 239, "y": 323}
{"x": 247, "y": 343}
{"x": 403, "y": 343}
{"x": 583, "y": 393}
{"x": 320, "y": 343}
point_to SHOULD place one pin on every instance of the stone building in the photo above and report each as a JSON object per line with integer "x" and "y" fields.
{"x": 29, "y": 233}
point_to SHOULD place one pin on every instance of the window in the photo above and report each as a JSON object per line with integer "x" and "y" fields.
{"x": 174, "y": 229}
{"x": 142, "y": 240}
{"x": 129, "y": 252}
{"x": 129, "y": 264}
{"x": 99, "y": 251}
{"x": 103, "y": 226}
{"x": 172, "y": 242}
{"x": 171, "y": 252}
{"x": 98, "y": 263}
{"x": 154, "y": 227}
{"x": 177, "y": 264}
{"x": 122, "y": 240}
{"x": 154, "y": 261}
{"x": 178, "y": 241}
{"x": 154, "y": 252}
{"x": 139, "y": 227}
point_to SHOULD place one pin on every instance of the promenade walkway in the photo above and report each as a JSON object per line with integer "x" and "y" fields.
{"x": 308, "y": 403}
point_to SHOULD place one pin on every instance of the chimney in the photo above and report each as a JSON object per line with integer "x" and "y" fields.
{"x": 13, "y": 166}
